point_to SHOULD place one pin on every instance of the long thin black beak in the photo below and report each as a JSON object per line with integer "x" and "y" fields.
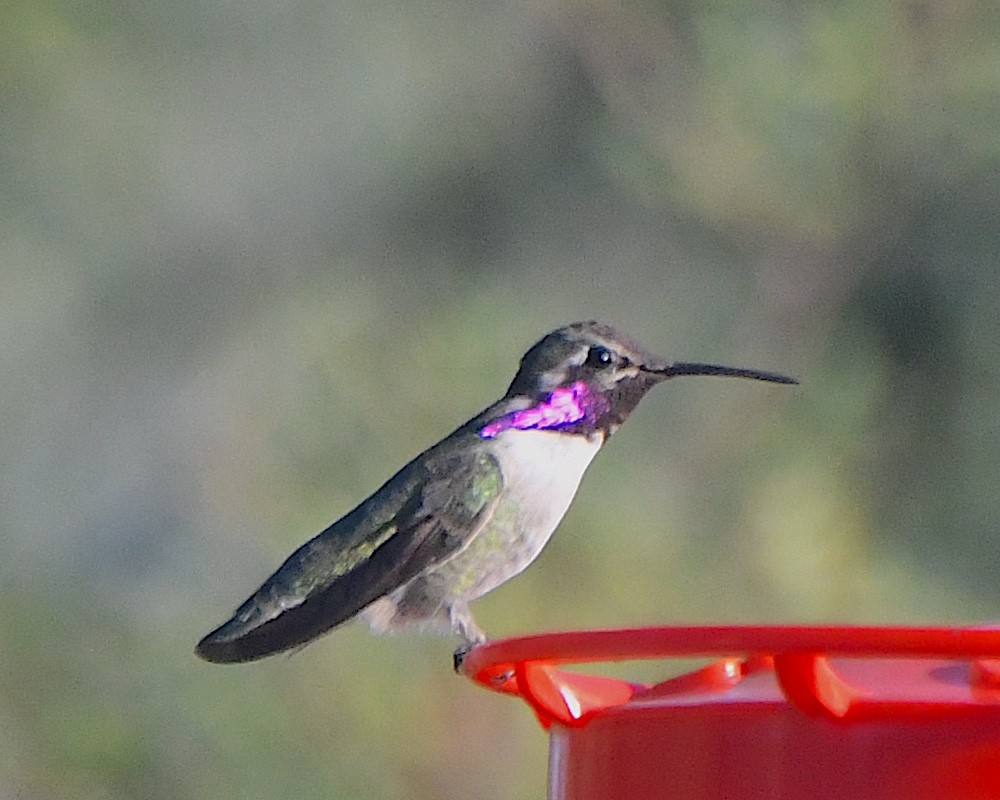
{"x": 690, "y": 368}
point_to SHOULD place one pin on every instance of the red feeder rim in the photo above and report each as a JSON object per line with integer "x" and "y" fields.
{"x": 799, "y": 655}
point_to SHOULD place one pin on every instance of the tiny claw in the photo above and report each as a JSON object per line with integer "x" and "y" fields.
{"x": 459, "y": 656}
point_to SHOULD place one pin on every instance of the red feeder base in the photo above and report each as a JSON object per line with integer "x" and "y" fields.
{"x": 791, "y": 712}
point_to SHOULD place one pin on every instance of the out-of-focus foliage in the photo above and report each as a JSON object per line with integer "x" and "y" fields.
{"x": 257, "y": 255}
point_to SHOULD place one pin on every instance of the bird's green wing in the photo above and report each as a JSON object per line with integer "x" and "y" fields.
{"x": 422, "y": 516}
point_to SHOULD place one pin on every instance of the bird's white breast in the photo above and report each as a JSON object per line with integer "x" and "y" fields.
{"x": 542, "y": 471}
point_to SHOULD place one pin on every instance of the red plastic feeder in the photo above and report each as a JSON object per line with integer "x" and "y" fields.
{"x": 788, "y": 712}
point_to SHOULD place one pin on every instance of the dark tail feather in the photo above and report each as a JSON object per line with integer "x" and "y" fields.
{"x": 228, "y": 645}
{"x": 246, "y": 638}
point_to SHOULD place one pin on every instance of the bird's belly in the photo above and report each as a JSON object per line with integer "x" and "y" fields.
{"x": 542, "y": 470}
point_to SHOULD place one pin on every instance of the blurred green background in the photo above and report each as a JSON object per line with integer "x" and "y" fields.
{"x": 257, "y": 255}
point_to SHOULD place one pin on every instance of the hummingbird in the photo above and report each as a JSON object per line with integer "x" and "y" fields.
{"x": 467, "y": 514}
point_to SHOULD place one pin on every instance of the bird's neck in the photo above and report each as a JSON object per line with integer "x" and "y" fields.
{"x": 573, "y": 408}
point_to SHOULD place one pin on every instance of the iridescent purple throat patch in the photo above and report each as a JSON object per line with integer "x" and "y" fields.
{"x": 562, "y": 407}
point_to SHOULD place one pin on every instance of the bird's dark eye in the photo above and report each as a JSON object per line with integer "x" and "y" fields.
{"x": 599, "y": 357}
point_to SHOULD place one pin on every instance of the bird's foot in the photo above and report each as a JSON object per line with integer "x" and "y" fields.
{"x": 459, "y": 657}
{"x": 470, "y": 633}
